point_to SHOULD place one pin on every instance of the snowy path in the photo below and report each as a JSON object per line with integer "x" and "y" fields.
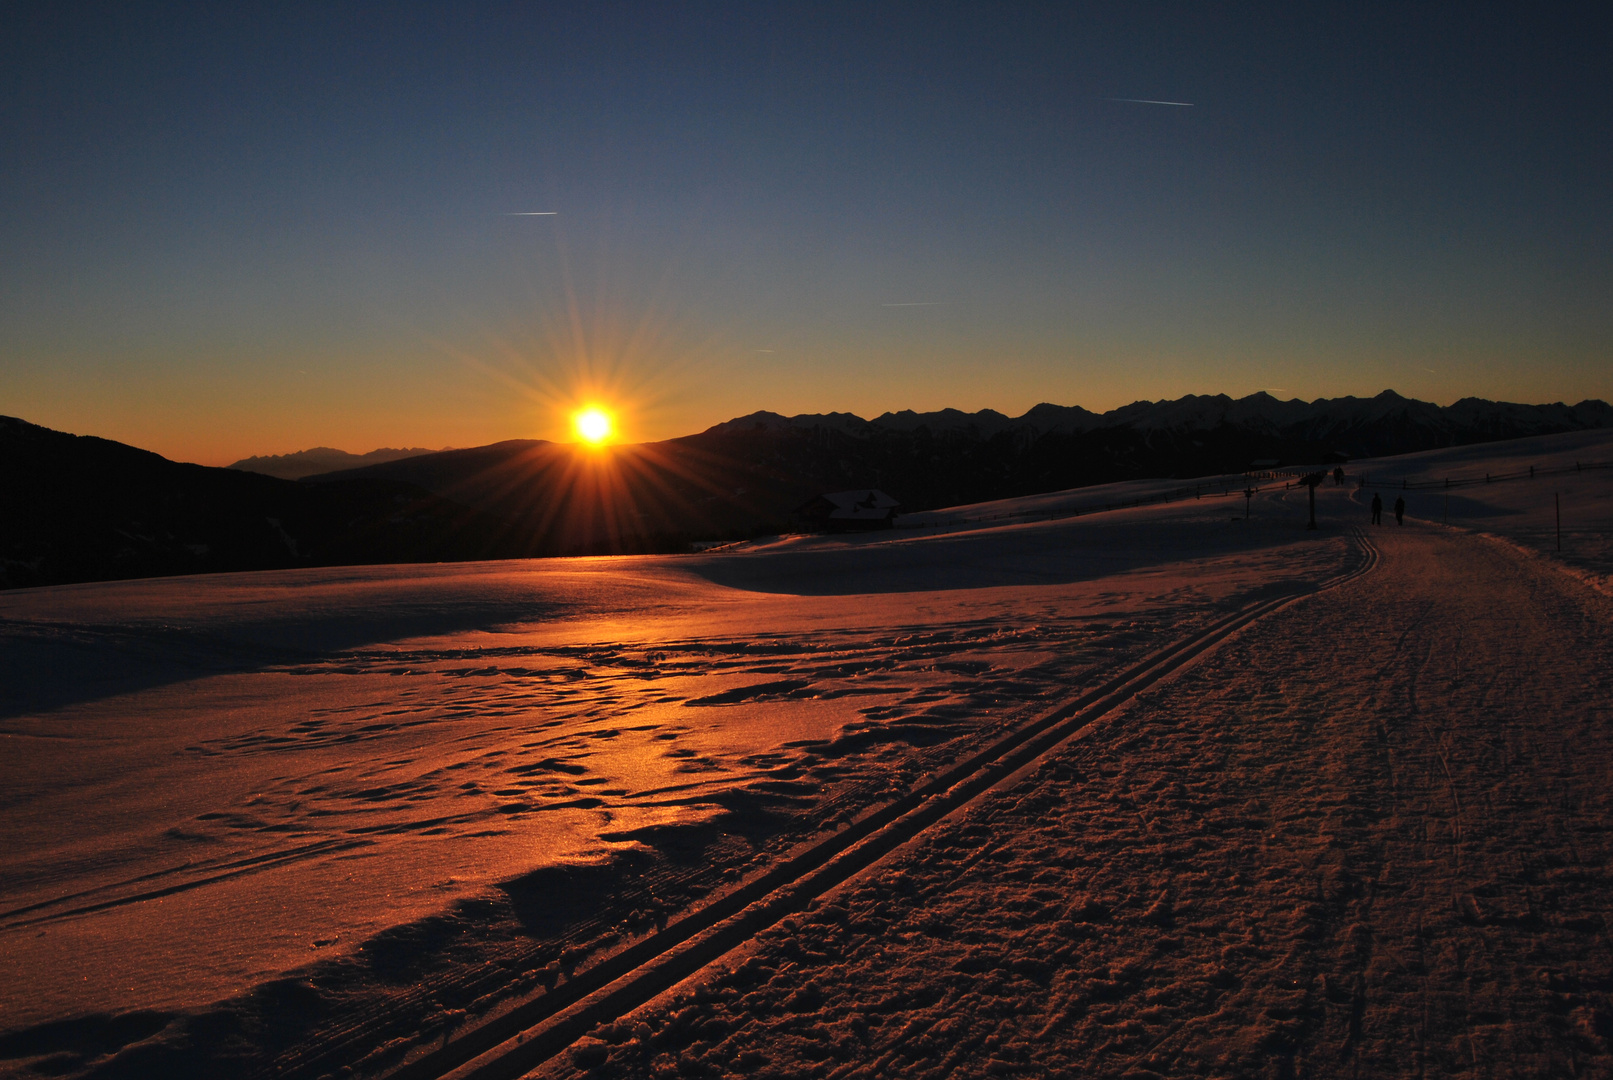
{"x": 288, "y": 823}
{"x": 549, "y": 1023}
{"x": 1367, "y": 837}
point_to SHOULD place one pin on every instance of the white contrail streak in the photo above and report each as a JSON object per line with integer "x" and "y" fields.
{"x": 1150, "y": 101}
{"x": 533, "y": 213}
{"x": 921, "y": 303}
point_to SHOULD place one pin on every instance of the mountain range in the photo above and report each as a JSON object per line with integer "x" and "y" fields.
{"x": 1357, "y": 427}
{"x": 78, "y": 508}
{"x": 747, "y": 475}
{"x": 320, "y": 459}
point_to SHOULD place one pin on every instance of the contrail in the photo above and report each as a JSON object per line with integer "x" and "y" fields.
{"x": 921, "y": 303}
{"x": 533, "y": 213}
{"x": 1150, "y": 101}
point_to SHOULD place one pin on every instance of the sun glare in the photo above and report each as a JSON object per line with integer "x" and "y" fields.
{"x": 593, "y": 425}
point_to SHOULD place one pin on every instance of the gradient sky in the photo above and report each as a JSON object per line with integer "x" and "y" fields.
{"x": 229, "y": 231}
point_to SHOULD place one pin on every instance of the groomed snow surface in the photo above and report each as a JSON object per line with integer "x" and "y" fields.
{"x": 305, "y": 822}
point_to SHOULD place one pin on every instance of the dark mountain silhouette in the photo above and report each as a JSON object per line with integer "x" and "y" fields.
{"x": 746, "y": 476}
{"x": 571, "y": 500}
{"x": 78, "y": 508}
{"x": 1355, "y": 427}
{"x": 320, "y": 459}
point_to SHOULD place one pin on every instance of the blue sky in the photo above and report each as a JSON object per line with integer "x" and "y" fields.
{"x": 251, "y": 231}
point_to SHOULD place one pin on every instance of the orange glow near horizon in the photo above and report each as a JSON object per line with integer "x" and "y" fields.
{"x": 594, "y": 373}
{"x": 593, "y": 425}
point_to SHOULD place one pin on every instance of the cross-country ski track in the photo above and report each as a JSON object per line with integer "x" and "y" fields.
{"x": 1171, "y": 790}
{"x": 533, "y": 1033}
{"x": 1364, "y": 836}
{"x": 1367, "y": 836}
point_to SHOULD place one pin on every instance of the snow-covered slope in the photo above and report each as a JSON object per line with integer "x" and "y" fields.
{"x": 273, "y": 819}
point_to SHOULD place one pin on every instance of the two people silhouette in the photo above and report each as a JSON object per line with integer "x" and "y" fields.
{"x": 1377, "y": 510}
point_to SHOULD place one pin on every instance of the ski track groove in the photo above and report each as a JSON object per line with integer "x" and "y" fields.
{"x": 235, "y": 868}
{"x": 539, "y": 1029}
{"x": 1329, "y": 904}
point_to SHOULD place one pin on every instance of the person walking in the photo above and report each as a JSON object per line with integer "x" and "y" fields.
{"x": 1400, "y": 511}
{"x": 1377, "y": 509}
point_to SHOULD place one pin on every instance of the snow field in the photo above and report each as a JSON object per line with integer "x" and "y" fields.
{"x": 414, "y": 795}
{"x": 1523, "y": 512}
{"x": 300, "y": 822}
{"x": 1367, "y": 837}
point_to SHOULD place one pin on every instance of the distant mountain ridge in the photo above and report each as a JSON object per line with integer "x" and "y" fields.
{"x": 1387, "y": 423}
{"x": 321, "y": 459}
{"x": 748, "y": 475}
{"x": 79, "y": 508}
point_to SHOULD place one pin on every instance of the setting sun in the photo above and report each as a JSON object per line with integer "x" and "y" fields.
{"x": 593, "y": 425}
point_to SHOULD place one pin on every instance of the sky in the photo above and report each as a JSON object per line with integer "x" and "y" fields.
{"x": 231, "y": 230}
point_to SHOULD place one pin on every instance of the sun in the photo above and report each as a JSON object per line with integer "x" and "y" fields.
{"x": 593, "y": 425}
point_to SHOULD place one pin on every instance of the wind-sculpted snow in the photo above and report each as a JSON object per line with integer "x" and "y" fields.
{"x": 298, "y": 822}
{"x": 245, "y": 775}
{"x": 1367, "y": 838}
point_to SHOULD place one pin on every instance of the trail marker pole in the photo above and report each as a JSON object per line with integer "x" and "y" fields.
{"x": 1311, "y": 482}
{"x": 1557, "y": 501}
